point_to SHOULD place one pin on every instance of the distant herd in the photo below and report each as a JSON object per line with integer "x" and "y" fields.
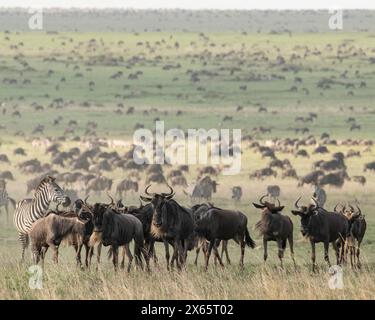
{"x": 162, "y": 219}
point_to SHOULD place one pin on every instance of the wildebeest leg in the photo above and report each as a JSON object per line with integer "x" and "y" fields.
{"x": 225, "y": 248}
{"x": 196, "y": 255}
{"x": 129, "y": 255}
{"x": 78, "y": 254}
{"x": 358, "y": 251}
{"x": 122, "y": 266}
{"x": 98, "y": 252}
{"x": 167, "y": 256}
{"x": 216, "y": 252}
{"x": 242, "y": 244}
{"x": 337, "y": 252}
{"x": 87, "y": 250}
{"x": 313, "y": 255}
{"x": 115, "y": 257}
{"x": 326, "y": 254}
{"x": 211, "y": 245}
{"x": 90, "y": 254}
{"x": 281, "y": 245}
{"x": 352, "y": 256}
{"x": 290, "y": 239}
{"x": 55, "y": 249}
{"x": 265, "y": 247}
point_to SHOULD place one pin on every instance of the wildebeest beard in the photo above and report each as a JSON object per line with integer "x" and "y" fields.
{"x": 161, "y": 230}
{"x": 262, "y": 226}
{"x": 268, "y": 223}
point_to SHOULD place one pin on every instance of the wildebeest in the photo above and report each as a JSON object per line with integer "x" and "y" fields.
{"x": 126, "y": 185}
{"x": 360, "y": 179}
{"x": 274, "y": 226}
{"x": 369, "y": 166}
{"x": 262, "y": 173}
{"x": 119, "y": 230}
{"x": 49, "y": 231}
{"x": 218, "y": 224}
{"x": 203, "y": 189}
{"x": 198, "y": 211}
{"x": 356, "y": 232}
{"x": 319, "y": 225}
{"x": 236, "y": 193}
{"x": 273, "y": 192}
{"x": 336, "y": 179}
{"x": 170, "y": 222}
{"x": 99, "y": 184}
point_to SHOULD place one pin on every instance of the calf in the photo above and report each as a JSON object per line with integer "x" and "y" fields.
{"x": 274, "y": 226}
{"x": 49, "y": 231}
{"x": 319, "y": 225}
{"x": 356, "y": 232}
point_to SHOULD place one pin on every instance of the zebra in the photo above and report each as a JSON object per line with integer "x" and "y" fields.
{"x": 5, "y": 199}
{"x": 30, "y": 210}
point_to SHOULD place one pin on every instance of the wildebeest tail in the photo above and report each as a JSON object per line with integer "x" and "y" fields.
{"x": 250, "y": 242}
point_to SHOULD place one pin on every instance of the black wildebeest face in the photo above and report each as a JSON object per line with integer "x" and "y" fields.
{"x": 98, "y": 214}
{"x": 268, "y": 207}
{"x": 157, "y": 201}
{"x": 305, "y": 213}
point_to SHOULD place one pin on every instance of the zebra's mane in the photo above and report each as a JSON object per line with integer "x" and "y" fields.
{"x": 42, "y": 183}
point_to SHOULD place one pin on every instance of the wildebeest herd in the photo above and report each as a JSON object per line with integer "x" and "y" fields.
{"x": 163, "y": 219}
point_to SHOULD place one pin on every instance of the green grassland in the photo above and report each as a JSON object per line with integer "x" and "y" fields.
{"x": 223, "y": 62}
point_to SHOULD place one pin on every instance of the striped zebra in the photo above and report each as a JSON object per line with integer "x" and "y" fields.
{"x": 5, "y": 199}
{"x": 29, "y": 210}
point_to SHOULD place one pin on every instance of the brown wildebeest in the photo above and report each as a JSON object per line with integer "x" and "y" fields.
{"x": 356, "y": 232}
{"x": 274, "y": 226}
{"x": 218, "y": 224}
{"x": 49, "y": 231}
{"x": 319, "y": 225}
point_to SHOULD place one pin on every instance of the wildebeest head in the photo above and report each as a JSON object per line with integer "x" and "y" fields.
{"x": 305, "y": 213}
{"x": 98, "y": 211}
{"x": 157, "y": 200}
{"x": 267, "y": 206}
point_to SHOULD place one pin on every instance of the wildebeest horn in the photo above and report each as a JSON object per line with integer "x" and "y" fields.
{"x": 170, "y": 193}
{"x": 146, "y": 191}
{"x": 359, "y": 209}
{"x": 261, "y": 199}
{"x": 296, "y": 203}
{"x": 351, "y": 208}
{"x": 278, "y": 201}
{"x": 112, "y": 201}
{"x": 315, "y": 202}
{"x": 335, "y": 208}
{"x": 85, "y": 201}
